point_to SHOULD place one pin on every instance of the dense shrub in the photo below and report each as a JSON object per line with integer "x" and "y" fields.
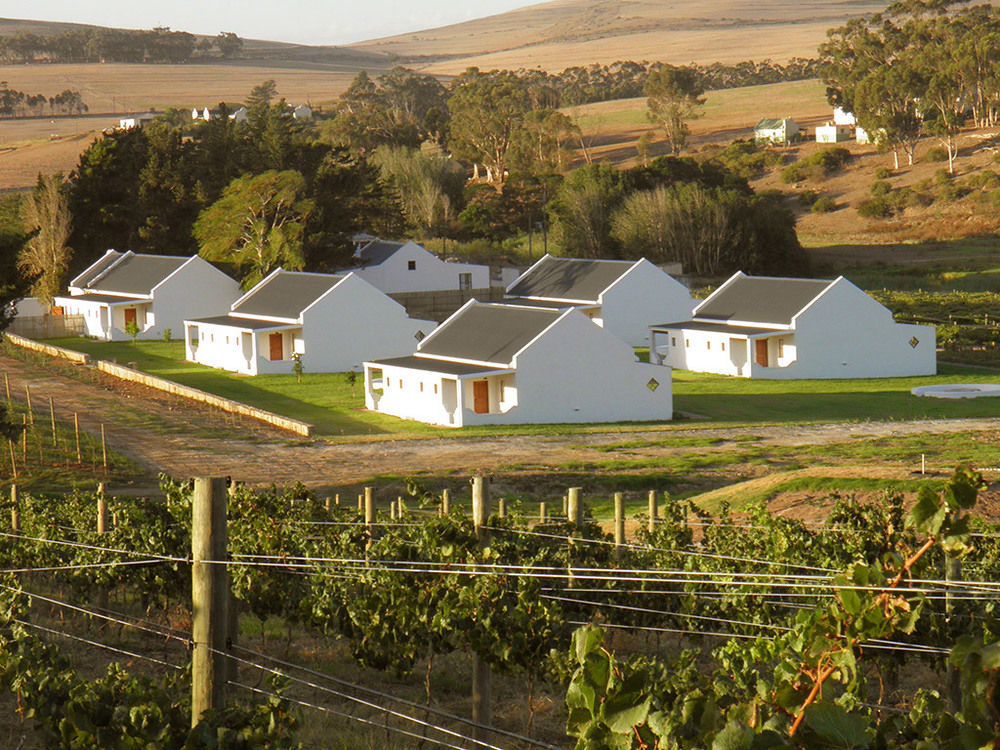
{"x": 824, "y": 204}
{"x": 883, "y": 173}
{"x": 807, "y": 198}
{"x": 880, "y": 187}
{"x": 816, "y": 166}
{"x": 747, "y": 159}
{"x": 875, "y": 208}
{"x": 936, "y": 153}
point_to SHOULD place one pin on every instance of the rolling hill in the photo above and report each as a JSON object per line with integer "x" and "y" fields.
{"x": 564, "y": 33}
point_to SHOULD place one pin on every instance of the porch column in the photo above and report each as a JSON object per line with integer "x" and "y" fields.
{"x": 654, "y": 355}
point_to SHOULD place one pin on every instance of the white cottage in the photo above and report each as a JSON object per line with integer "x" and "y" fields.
{"x": 397, "y": 267}
{"x": 509, "y": 364}
{"x": 782, "y": 328}
{"x": 332, "y": 321}
{"x": 155, "y": 292}
{"x": 779, "y": 131}
{"x": 833, "y": 133}
{"x": 622, "y": 296}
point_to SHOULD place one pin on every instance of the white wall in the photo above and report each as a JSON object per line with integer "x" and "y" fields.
{"x": 95, "y": 315}
{"x": 844, "y": 333}
{"x": 575, "y": 372}
{"x": 356, "y": 322}
{"x": 847, "y": 334}
{"x": 196, "y": 290}
{"x": 643, "y": 297}
{"x": 430, "y": 274}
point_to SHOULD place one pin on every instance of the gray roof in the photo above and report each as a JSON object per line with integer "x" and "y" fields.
{"x": 550, "y": 304}
{"x": 435, "y": 365}
{"x": 104, "y": 299}
{"x": 697, "y": 325}
{"x": 569, "y": 278}
{"x": 285, "y": 294}
{"x": 232, "y": 321}
{"x": 771, "y": 123}
{"x": 129, "y": 273}
{"x": 763, "y": 300}
{"x": 487, "y": 333}
{"x": 378, "y": 251}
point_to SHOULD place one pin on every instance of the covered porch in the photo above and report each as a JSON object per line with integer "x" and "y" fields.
{"x": 249, "y": 347}
{"x": 740, "y": 351}
{"x": 108, "y": 317}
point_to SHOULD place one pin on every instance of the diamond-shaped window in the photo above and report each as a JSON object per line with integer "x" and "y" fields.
{"x": 419, "y": 335}
{"x": 653, "y": 384}
{"x": 914, "y": 342}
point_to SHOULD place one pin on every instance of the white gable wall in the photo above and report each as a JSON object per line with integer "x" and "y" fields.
{"x": 195, "y": 290}
{"x": 643, "y": 296}
{"x": 847, "y": 334}
{"x": 355, "y": 322}
{"x": 430, "y": 273}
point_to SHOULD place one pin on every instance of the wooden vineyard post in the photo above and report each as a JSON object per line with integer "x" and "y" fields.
{"x": 952, "y": 573}
{"x": 445, "y": 502}
{"x": 574, "y": 516}
{"x": 336, "y": 499}
{"x": 361, "y": 503}
{"x": 482, "y": 675}
{"x": 502, "y": 508}
{"x": 619, "y": 523}
{"x": 102, "y": 509}
{"x": 653, "y": 512}
{"x": 209, "y": 596}
{"x": 104, "y": 449}
{"x": 15, "y": 510}
{"x": 27, "y": 397}
{"x": 76, "y": 429}
{"x": 13, "y": 458}
{"x": 542, "y": 510}
{"x": 369, "y": 500}
{"x": 328, "y": 504}
{"x": 52, "y": 418}
{"x": 6, "y": 385}
{"x": 24, "y": 440}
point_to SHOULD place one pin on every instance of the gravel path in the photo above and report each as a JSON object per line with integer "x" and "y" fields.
{"x": 168, "y": 434}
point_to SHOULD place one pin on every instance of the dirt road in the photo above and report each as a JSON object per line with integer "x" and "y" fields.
{"x": 172, "y": 435}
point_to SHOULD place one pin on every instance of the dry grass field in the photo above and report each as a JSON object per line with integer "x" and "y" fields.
{"x": 559, "y": 34}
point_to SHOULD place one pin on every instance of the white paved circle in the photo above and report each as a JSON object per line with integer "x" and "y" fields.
{"x": 958, "y": 390}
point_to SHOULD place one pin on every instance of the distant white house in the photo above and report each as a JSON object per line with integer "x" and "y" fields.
{"x": 778, "y": 131}
{"x": 205, "y": 114}
{"x": 136, "y": 121}
{"x": 156, "y": 292}
{"x": 783, "y": 328}
{"x": 623, "y": 296}
{"x": 239, "y": 114}
{"x": 509, "y": 364}
{"x": 302, "y": 112}
{"x": 332, "y": 321}
{"x": 408, "y": 267}
{"x": 833, "y": 133}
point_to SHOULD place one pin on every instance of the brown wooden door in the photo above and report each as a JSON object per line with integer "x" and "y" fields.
{"x": 277, "y": 351}
{"x": 129, "y": 315}
{"x": 760, "y": 349}
{"x": 480, "y": 396}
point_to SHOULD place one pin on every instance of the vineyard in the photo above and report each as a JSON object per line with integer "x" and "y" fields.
{"x": 875, "y": 628}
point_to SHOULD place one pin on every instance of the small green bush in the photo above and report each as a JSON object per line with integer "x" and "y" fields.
{"x": 167, "y": 334}
{"x": 875, "y": 208}
{"x": 883, "y": 173}
{"x": 824, "y": 205}
{"x": 936, "y": 153}
{"x": 816, "y": 166}
{"x": 941, "y": 177}
{"x": 792, "y": 173}
{"x": 880, "y": 187}
{"x": 808, "y": 197}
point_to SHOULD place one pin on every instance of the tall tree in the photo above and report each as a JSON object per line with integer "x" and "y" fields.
{"x": 429, "y": 188}
{"x": 487, "y": 110}
{"x": 674, "y": 97}
{"x": 14, "y": 284}
{"x": 45, "y": 256}
{"x": 582, "y": 210}
{"x": 257, "y": 225}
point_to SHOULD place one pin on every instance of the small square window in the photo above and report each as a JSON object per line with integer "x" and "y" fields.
{"x": 708, "y": 345}
{"x": 411, "y": 265}
{"x": 419, "y": 335}
{"x": 723, "y": 345}
{"x": 435, "y": 387}
{"x": 687, "y": 343}
{"x": 673, "y": 341}
{"x": 421, "y": 386}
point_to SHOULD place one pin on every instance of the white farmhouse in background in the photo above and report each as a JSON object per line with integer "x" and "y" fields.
{"x": 781, "y": 328}
{"x": 397, "y": 267}
{"x": 779, "y": 131}
{"x": 622, "y": 296}
{"x": 333, "y": 321}
{"x": 302, "y": 112}
{"x": 156, "y": 292}
{"x": 833, "y": 133}
{"x": 508, "y": 364}
{"x": 843, "y": 117}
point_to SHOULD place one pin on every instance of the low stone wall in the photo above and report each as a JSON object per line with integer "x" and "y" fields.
{"x": 233, "y": 407}
{"x": 53, "y": 351}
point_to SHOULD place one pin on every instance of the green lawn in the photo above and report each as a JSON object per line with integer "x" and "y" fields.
{"x": 329, "y": 403}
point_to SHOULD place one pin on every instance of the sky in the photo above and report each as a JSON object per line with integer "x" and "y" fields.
{"x": 301, "y": 21}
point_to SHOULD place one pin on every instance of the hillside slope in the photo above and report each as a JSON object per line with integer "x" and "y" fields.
{"x": 563, "y": 33}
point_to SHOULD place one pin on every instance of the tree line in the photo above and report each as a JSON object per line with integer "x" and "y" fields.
{"x": 157, "y": 45}
{"x": 921, "y": 67}
{"x": 14, "y": 103}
